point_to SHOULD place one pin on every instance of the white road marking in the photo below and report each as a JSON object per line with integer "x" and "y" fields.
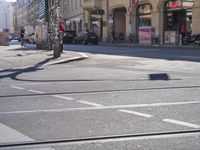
{"x": 90, "y": 103}
{"x": 182, "y": 123}
{"x": 63, "y": 97}
{"x": 34, "y": 91}
{"x": 101, "y": 107}
{"x": 136, "y": 113}
{"x": 17, "y": 87}
{"x": 9, "y": 135}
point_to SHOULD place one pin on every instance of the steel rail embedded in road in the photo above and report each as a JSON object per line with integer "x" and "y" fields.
{"x": 99, "y": 138}
{"x": 106, "y": 91}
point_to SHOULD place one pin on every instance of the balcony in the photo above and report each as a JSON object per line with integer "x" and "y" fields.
{"x": 88, "y": 4}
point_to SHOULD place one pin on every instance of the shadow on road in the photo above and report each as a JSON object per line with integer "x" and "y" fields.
{"x": 13, "y": 73}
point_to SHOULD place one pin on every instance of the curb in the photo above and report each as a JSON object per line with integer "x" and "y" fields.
{"x": 66, "y": 60}
{"x": 149, "y": 46}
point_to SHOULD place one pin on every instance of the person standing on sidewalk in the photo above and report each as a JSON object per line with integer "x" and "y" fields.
{"x": 182, "y": 30}
{"x": 113, "y": 35}
{"x": 22, "y": 34}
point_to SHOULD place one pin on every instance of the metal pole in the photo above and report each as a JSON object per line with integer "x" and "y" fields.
{"x": 108, "y": 24}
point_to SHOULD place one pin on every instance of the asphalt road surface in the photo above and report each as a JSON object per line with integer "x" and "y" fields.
{"x": 120, "y": 98}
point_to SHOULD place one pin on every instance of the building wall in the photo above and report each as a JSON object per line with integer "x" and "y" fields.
{"x": 5, "y": 15}
{"x": 27, "y": 13}
{"x": 130, "y": 18}
{"x": 72, "y": 13}
{"x": 196, "y": 14}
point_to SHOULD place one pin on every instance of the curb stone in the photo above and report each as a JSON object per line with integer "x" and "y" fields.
{"x": 65, "y": 60}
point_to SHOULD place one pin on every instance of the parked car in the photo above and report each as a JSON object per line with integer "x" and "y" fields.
{"x": 31, "y": 38}
{"x": 10, "y": 37}
{"x": 86, "y": 37}
{"x": 121, "y": 36}
{"x": 68, "y": 36}
{"x": 16, "y": 38}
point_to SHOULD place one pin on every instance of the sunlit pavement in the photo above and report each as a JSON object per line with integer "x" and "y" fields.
{"x": 118, "y": 98}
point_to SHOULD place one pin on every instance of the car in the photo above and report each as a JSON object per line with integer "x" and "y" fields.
{"x": 10, "y": 37}
{"x": 86, "y": 37}
{"x": 68, "y": 36}
{"x": 31, "y": 38}
{"x": 16, "y": 38}
{"x": 121, "y": 36}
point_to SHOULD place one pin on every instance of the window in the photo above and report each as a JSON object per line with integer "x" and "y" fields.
{"x": 144, "y": 15}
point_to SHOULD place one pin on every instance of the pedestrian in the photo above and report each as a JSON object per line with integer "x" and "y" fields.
{"x": 182, "y": 30}
{"x": 22, "y": 34}
{"x": 113, "y": 36}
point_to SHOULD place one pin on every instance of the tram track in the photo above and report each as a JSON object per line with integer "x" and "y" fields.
{"x": 125, "y": 137}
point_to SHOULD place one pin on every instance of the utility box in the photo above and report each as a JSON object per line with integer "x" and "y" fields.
{"x": 146, "y": 35}
{"x": 4, "y": 37}
{"x": 41, "y": 37}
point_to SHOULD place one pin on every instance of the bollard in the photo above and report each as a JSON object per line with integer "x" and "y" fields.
{"x": 180, "y": 40}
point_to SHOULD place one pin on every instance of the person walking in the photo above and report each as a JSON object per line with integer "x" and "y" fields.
{"x": 22, "y": 34}
{"x": 113, "y": 36}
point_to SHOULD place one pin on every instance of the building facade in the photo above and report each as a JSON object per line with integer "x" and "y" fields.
{"x": 137, "y": 20}
{"x": 6, "y": 11}
{"x": 27, "y": 13}
{"x": 72, "y": 13}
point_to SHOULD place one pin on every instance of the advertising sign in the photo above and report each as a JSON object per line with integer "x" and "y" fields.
{"x": 4, "y": 38}
{"x": 146, "y": 35}
{"x": 170, "y": 37}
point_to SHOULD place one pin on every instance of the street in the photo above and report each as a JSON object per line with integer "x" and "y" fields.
{"x": 119, "y": 98}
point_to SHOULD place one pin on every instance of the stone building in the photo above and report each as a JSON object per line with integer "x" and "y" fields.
{"x": 6, "y": 11}
{"x": 72, "y": 13}
{"x": 27, "y": 13}
{"x": 137, "y": 20}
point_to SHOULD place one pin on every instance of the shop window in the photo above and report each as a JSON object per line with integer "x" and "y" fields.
{"x": 177, "y": 20}
{"x": 178, "y": 12}
{"x": 80, "y": 26}
{"x": 144, "y": 15}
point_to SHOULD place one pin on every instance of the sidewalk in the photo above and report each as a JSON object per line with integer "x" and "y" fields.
{"x": 16, "y": 56}
{"x": 136, "y": 45}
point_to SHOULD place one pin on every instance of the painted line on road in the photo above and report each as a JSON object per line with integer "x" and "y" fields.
{"x": 63, "y": 97}
{"x": 136, "y": 113}
{"x": 182, "y": 123}
{"x": 90, "y": 103}
{"x": 9, "y": 135}
{"x": 34, "y": 91}
{"x": 100, "y": 107}
{"x": 17, "y": 87}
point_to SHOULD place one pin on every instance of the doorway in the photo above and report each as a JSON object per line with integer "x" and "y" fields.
{"x": 177, "y": 20}
{"x": 119, "y": 25}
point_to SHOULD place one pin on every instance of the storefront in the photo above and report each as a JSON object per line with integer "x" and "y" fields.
{"x": 97, "y": 22}
{"x": 75, "y": 24}
{"x": 177, "y": 20}
{"x": 135, "y": 18}
{"x": 119, "y": 22}
{"x": 144, "y": 23}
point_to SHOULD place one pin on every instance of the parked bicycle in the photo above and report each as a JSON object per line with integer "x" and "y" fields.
{"x": 191, "y": 39}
